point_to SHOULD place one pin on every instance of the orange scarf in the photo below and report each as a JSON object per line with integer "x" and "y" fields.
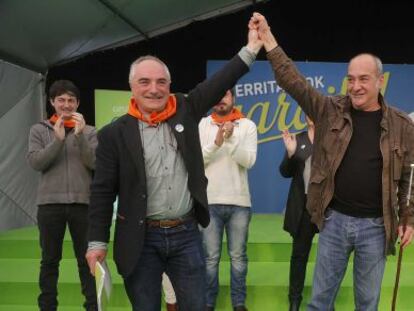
{"x": 156, "y": 116}
{"x": 67, "y": 123}
{"x": 235, "y": 114}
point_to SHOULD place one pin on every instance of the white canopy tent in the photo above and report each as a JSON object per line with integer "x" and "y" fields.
{"x": 36, "y": 35}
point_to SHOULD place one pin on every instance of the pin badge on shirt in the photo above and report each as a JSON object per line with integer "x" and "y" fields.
{"x": 303, "y": 147}
{"x": 179, "y": 128}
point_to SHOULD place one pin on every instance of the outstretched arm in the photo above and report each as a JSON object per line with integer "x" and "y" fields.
{"x": 288, "y": 76}
{"x": 208, "y": 93}
{"x": 259, "y": 23}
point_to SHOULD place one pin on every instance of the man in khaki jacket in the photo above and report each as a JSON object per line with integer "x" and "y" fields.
{"x": 360, "y": 174}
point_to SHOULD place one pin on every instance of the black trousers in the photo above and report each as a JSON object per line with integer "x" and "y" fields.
{"x": 52, "y": 220}
{"x": 302, "y": 244}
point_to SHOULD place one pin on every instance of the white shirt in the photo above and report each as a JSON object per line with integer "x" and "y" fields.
{"x": 226, "y": 166}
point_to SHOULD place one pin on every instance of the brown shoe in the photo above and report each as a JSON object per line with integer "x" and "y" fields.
{"x": 172, "y": 307}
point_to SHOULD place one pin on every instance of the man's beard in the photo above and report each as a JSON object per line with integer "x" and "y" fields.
{"x": 223, "y": 112}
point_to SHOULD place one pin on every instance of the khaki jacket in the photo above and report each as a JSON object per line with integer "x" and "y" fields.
{"x": 333, "y": 131}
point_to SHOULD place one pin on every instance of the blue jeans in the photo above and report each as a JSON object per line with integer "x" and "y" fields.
{"x": 177, "y": 251}
{"x": 235, "y": 219}
{"x": 340, "y": 236}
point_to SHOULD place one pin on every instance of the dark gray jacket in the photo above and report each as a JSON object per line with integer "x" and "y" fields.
{"x": 120, "y": 168}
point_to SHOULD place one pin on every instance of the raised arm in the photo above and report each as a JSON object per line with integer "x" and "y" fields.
{"x": 207, "y": 93}
{"x": 287, "y": 75}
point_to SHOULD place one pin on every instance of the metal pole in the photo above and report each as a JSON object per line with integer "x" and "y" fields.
{"x": 397, "y": 276}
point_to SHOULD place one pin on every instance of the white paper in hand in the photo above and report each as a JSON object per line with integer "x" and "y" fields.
{"x": 103, "y": 285}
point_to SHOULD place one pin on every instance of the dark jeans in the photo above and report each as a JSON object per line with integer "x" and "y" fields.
{"x": 177, "y": 251}
{"x": 302, "y": 244}
{"x": 52, "y": 220}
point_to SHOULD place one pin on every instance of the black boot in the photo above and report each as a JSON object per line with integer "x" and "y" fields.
{"x": 294, "y": 305}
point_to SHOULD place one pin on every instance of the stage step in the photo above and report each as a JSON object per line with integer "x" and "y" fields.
{"x": 269, "y": 252}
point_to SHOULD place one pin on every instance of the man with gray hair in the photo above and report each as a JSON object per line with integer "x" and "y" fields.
{"x": 151, "y": 158}
{"x": 360, "y": 174}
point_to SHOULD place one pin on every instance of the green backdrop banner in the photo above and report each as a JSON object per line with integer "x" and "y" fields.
{"x": 110, "y": 105}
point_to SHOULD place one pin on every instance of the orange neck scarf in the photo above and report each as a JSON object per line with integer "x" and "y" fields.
{"x": 67, "y": 123}
{"x": 235, "y": 114}
{"x": 156, "y": 116}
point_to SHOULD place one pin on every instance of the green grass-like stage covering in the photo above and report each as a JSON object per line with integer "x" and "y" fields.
{"x": 269, "y": 252}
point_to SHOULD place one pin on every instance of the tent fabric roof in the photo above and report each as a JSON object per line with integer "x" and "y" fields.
{"x": 40, "y": 34}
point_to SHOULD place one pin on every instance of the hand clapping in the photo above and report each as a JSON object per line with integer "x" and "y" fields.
{"x": 79, "y": 123}
{"x": 290, "y": 142}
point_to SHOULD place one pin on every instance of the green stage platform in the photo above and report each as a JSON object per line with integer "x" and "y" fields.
{"x": 269, "y": 252}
